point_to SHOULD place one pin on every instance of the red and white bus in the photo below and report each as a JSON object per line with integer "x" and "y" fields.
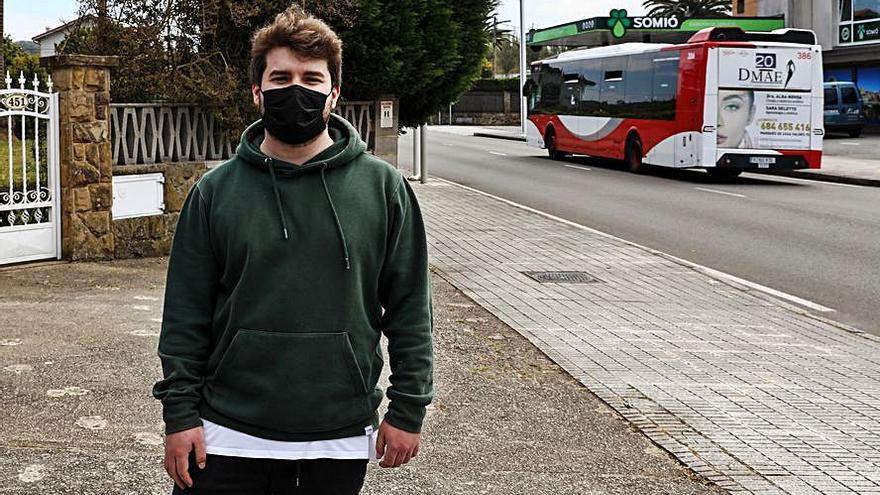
{"x": 727, "y": 101}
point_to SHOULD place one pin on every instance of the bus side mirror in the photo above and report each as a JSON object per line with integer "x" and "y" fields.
{"x": 527, "y": 88}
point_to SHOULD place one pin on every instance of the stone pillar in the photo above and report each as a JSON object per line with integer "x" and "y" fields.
{"x": 385, "y": 143}
{"x": 83, "y": 84}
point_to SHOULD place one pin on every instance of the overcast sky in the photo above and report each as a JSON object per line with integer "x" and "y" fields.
{"x": 24, "y": 19}
{"x": 545, "y": 13}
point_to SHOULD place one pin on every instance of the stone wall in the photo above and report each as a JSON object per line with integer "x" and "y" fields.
{"x": 83, "y": 84}
{"x": 152, "y": 235}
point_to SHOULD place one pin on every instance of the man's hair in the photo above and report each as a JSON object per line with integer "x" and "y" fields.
{"x": 306, "y": 35}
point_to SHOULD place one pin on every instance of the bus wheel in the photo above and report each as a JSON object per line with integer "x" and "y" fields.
{"x": 634, "y": 155}
{"x": 723, "y": 174}
{"x": 551, "y": 146}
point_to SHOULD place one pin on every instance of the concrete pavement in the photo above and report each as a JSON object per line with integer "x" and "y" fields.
{"x": 755, "y": 394}
{"x": 78, "y": 360}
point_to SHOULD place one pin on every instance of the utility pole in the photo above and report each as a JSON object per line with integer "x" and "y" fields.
{"x": 522, "y": 65}
{"x": 2, "y": 34}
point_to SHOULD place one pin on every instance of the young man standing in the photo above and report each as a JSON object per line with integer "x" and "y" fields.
{"x": 288, "y": 263}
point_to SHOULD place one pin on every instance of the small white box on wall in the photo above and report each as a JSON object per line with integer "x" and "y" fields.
{"x": 138, "y": 195}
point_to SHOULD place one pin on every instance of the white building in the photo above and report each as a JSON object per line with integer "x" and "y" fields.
{"x": 52, "y": 37}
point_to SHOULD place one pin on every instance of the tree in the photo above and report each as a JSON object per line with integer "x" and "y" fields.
{"x": 19, "y": 61}
{"x": 507, "y": 58}
{"x": 687, "y": 8}
{"x": 425, "y": 52}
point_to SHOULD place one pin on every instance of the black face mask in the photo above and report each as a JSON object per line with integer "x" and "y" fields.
{"x": 294, "y": 114}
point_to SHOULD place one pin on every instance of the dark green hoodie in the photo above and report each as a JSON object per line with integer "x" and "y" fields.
{"x": 281, "y": 280}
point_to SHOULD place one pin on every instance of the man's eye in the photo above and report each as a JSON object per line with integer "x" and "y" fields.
{"x": 732, "y": 107}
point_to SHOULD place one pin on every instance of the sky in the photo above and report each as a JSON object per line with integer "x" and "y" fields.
{"x": 24, "y": 19}
{"x": 545, "y": 13}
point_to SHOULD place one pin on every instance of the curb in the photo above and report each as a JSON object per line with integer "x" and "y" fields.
{"x": 499, "y": 136}
{"x": 840, "y": 179}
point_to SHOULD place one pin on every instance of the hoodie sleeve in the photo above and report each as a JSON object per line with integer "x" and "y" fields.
{"x": 405, "y": 294}
{"x": 185, "y": 338}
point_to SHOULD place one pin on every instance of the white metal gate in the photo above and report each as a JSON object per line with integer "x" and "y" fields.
{"x": 30, "y": 189}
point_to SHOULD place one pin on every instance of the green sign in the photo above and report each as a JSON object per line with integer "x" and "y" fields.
{"x": 858, "y": 33}
{"x": 618, "y": 23}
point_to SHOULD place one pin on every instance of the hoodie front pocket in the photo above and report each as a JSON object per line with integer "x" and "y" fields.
{"x": 295, "y": 382}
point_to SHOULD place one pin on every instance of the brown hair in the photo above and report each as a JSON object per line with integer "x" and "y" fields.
{"x": 304, "y": 34}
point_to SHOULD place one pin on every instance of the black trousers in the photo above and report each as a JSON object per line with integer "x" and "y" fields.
{"x": 226, "y": 475}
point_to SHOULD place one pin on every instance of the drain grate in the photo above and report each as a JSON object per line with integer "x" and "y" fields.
{"x": 562, "y": 277}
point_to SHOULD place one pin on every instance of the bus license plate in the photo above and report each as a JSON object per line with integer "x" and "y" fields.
{"x": 762, "y": 161}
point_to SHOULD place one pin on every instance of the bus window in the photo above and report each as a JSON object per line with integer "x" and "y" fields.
{"x": 590, "y": 73}
{"x": 638, "y": 97}
{"x": 551, "y": 81}
{"x": 665, "y": 86}
{"x": 611, "y": 93}
{"x": 570, "y": 94}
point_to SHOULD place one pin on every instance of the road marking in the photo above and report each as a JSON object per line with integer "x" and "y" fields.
{"x": 497, "y": 153}
{"x": 848, "y": 143}
{"x": 808, "y": 181}
{"x": 700, "y": 268}
{"x": 720, "y": 192}
{"x": 577, "y": 167}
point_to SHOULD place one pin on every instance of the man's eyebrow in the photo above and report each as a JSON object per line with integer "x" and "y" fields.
{"x": 314, "y": 73}
{"x": 728, "y": 97}
{"x": 281, "y": 72}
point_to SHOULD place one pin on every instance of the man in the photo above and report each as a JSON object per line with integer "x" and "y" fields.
{"x": 289, "y": 262}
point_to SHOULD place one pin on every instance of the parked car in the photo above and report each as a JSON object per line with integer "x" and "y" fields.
{"x": 844, "y": 109}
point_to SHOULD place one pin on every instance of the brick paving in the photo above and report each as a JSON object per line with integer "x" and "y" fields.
{"x": 749, "y": 392}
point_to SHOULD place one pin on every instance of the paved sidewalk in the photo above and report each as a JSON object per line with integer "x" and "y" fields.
{"x": 835, "y": 168}
{"x": 78, "y": 360}
{"x": 750, "y": 392}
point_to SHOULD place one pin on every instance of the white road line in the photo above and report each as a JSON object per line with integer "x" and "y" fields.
{"x": 577, "y": 167}
{"x": 700, "y": 268}
{"x": 781, "y": 178}
{"x": 720, "y": 192}
{"x": 850, "y": 144}
{"x": 497, "y": 153}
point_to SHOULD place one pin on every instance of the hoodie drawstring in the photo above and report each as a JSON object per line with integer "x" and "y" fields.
{"x": 336, "y": 217}
{"x": 277, "y": 199}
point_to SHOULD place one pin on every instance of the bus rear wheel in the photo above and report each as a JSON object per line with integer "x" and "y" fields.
{"x": 633, "y": 155}
{"x": 554, "y": 153}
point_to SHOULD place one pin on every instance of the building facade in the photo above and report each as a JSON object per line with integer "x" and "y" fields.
{"x": 849, "y": 32}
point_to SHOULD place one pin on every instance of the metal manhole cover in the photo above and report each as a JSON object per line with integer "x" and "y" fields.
{"x": 562, "y": 277}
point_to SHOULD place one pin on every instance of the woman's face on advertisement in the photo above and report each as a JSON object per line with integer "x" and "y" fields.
{"x": 734, "y": 115}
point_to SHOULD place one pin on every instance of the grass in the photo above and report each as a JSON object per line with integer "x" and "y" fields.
{"x": 16, "y": 163}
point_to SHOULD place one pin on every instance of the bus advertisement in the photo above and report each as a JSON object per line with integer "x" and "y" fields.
{"x": 726, "y": 101}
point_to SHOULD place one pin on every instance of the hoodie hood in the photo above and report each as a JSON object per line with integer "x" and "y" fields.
{"x": 347, "y": 146}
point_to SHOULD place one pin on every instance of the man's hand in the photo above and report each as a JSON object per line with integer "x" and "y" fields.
{"x": 395, "y": 446}
{"x": 177, "y": 448}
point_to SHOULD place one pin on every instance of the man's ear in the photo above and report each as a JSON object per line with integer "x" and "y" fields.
{"x": 257, "y": 94}
{"x": 334, "y": 96}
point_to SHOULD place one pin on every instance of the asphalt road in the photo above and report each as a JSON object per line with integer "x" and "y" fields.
{"x": 816, "y": 241}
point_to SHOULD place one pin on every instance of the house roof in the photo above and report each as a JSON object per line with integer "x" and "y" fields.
{"x": 64, "y": 27}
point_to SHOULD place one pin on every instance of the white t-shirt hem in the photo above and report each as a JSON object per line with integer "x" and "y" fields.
{"x": 220, "y": 440}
